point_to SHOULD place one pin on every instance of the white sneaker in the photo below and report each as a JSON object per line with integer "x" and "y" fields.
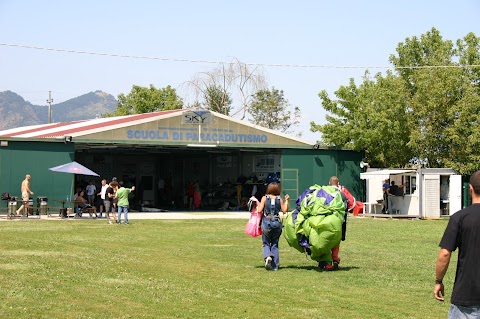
{"x": 268, "y": 263}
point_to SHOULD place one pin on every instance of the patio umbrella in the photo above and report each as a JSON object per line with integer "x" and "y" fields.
{"x": 73, "y": 168}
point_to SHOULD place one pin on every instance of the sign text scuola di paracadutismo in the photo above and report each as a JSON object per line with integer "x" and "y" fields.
{"x": 193, "y": 136}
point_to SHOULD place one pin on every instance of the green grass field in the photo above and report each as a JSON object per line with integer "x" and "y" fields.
{"x": 211, "y": 269}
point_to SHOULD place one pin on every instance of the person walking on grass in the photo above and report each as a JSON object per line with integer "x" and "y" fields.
{"x": 271, "y": 205}
{"x": 462, "y": 233}
{"x": 349, "y": 202}
{"x": 123, "y": 204}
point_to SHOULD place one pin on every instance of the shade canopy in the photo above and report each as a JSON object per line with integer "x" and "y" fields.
{"x": 73, "y": 168}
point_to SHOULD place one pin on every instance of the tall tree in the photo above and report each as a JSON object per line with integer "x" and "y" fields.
{"x": 426, "y": 109}
{"x": 440, "y": 85}
{"x": 236, "y": 79}
{"x": 370, "y": 117}
{"x": 270, "y": 109}
{"x": 147, "y": 99}
{"x": 218, "y": 100}
{"x": 463, "y": 134}
{"x": 469, "y": 55}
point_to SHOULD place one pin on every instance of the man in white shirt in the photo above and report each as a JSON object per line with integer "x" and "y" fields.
{"x": 102, "y": 196}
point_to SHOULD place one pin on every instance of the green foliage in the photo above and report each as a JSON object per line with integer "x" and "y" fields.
{"x": 444, "y": 101}
{"x": 370, "y": 117}
{"x": 218, "y": 100}
{"x": 427, "y": 109}
{"x": 147, "y": 99}
{"x": 270, "y": 109}
{"x": 210, "y": 269}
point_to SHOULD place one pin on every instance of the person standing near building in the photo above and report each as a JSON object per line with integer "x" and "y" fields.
{"x": 114, "y": 185}
{"x": 26, "y": 192}
{"x": 91, "y": 189}
{"x": 108, "y": 202}
{"x": 462, "y": 233}
{"x": 123, "y": 204}
{"x": 197, "y": 195}
{"x": 161, "y": 190}
{"x": 386, "y": 192}
{"x": 190, "y": 191}
{"x": 102, "y": 196}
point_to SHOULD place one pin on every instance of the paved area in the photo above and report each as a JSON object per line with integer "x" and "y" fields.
{"x": 149, "y": 215}
{"x": 188, "y": 215}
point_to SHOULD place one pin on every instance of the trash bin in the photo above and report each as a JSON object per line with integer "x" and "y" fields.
{"x": 42, "y": 203}
{"x": 12, "y": 208}
{"x": 43, "y": 208}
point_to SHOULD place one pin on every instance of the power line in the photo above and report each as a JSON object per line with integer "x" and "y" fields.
{"x": 251, "y": 64}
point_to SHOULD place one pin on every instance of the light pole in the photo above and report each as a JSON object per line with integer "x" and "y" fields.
{"x": 49, "y": 101}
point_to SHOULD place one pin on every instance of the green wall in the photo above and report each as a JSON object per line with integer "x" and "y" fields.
{"x": 317, "y": 166}
{"x": 35, "y": 158}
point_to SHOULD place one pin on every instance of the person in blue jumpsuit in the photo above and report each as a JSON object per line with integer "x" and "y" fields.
{"x": 271, "y": 205}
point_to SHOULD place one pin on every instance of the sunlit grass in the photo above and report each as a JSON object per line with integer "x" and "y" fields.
{"x": 210, "y": 269}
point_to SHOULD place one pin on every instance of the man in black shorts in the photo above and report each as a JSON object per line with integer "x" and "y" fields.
{"x": 108, "y": 202}
{"x": 462, "y": 233}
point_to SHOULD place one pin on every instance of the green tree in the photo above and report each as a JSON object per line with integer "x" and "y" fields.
{"x": 370, "y": 117}
{"x": 426, "y": 109}
{"x": 270, "y": 109}
{"x": 146, "y": 100}
{"x": 443, "y": 97}
{"x": 469, "y": 55}
{"x": 463, "y": 135}
{"x": 218, "y": 100}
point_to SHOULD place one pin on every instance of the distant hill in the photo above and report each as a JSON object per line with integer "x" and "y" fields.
{"x": 16, "y": 112}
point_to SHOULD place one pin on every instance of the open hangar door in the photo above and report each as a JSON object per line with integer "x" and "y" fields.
{"x": 161, "y": 174}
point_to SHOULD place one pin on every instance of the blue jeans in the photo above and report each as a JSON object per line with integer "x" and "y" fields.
{"x": 463, "y": 312}
{"x": 271, "y": 231}
{"x": 122, "y": 209}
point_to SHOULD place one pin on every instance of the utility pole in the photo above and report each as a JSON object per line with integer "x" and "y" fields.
{"x": 49, "y": 101}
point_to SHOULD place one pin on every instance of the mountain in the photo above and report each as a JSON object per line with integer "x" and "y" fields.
{"x": 16, "y": 112}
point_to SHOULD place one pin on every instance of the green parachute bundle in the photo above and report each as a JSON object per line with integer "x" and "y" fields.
{"x": 315, "y": 226}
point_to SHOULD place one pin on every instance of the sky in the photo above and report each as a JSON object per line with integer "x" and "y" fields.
{"x": 358, "y": 34}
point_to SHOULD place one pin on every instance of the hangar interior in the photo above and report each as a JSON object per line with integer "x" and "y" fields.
{"x": 219, "y": 172}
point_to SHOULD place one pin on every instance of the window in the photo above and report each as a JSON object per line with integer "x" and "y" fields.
{"x": 410, "y": 184}
{"x": 414, "y": 183}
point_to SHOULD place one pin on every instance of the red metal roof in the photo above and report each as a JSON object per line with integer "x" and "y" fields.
{"x": 79, "y": 128}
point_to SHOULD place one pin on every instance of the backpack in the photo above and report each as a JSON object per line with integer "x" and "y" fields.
{"x": 271, "y": 223}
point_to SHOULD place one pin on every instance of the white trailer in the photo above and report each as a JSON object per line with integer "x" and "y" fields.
{"x": 423, "y": 193}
